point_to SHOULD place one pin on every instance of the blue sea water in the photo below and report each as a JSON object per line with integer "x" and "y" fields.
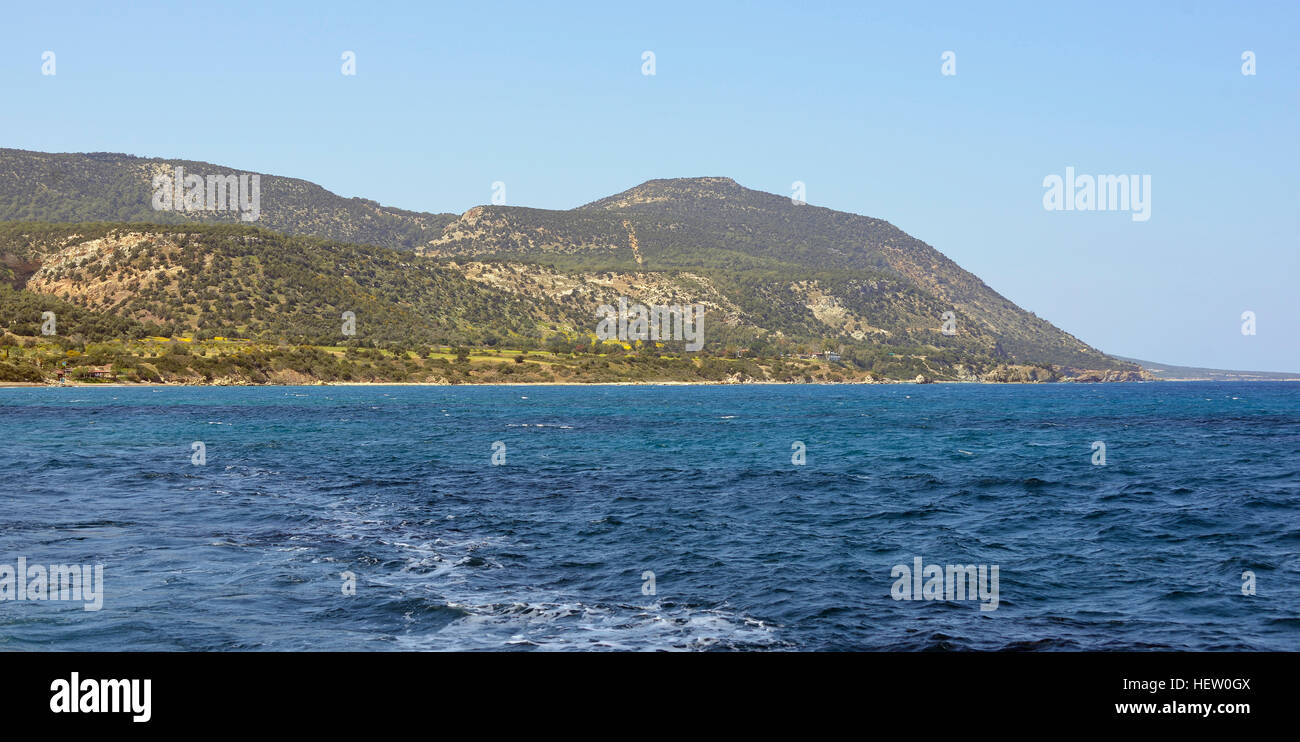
{"x": 603, "y": 484}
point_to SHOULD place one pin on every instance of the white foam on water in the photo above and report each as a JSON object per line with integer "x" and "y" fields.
{"x": 573, "y": 626}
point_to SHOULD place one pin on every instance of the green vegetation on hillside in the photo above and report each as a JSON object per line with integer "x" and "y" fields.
{"x": 778, "y": 279}
{"x": 123, "y": 288}
{"x": 110, "y": 187}
{"x": 225, "y": 361}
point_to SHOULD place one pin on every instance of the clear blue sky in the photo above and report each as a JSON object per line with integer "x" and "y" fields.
{"x": 847, "y": 98}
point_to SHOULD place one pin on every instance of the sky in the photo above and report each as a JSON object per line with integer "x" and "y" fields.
{"x": 849, "y": 99}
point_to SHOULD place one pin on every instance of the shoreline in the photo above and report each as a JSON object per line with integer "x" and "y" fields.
{"x": 120, "y": 385}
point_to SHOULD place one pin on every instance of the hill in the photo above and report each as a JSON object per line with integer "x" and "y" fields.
{"x": 1169, "y": 372}
{"x": 110, "y": 187}
{"x": 781, "y": 257}
{"x": 776, "y": 278}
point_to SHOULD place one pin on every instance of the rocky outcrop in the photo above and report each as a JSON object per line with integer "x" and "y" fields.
{"x": 1093, "y": 377}
{"x": 1017, "y": 374}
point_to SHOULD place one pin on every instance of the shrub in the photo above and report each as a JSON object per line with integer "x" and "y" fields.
{"x": 19, "y": 372}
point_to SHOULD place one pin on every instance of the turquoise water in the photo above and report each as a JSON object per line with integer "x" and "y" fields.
{"x": 602, "y": 485}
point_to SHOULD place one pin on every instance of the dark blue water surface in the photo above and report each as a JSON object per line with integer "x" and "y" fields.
{"x": 695, "y": 484}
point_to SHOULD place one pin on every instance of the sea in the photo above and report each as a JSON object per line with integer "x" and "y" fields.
{"x": 1146, "y": 516}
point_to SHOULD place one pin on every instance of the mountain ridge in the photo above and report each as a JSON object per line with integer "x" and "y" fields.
{"x": 115, "y": 187}
{"x": 779, "y": 272}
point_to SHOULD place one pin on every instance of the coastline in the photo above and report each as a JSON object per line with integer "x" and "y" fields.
{"x": 121, "y": 385}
